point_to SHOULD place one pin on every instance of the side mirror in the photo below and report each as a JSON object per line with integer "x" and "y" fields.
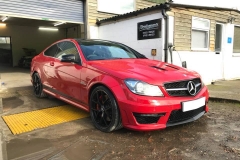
{"x": 184, "y": 64}
{"x": 68, "y": 58}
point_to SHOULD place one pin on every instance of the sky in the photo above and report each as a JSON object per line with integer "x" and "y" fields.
{"x": 213, "y": 3}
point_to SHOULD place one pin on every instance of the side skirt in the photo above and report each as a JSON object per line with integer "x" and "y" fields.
{"x": 66, "y": 98}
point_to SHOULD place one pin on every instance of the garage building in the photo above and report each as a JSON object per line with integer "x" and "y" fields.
{"x": 27, "y": 27}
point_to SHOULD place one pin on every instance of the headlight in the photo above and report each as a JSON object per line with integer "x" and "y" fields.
{"x": 142, "y": 88}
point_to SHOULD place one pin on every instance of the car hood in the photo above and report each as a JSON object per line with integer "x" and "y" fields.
{"x": 150, "y": 71}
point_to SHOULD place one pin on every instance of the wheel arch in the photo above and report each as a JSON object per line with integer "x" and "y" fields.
{"x": 113, "y": 84}
{"x": 36, "y": 70}
{"x": 118, "y": 120}
{"x": 97, "y": 85}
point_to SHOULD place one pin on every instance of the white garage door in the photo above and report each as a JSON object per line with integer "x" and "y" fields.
{"x": 54, "y": 10}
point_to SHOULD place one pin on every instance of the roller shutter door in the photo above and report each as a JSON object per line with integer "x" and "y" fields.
{"x": 54, "y": 10}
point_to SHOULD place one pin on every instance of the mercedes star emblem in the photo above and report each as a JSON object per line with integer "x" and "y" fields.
{"x": 191, "y": 88}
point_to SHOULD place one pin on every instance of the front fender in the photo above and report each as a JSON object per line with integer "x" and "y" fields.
{"x": 104, "y": 80}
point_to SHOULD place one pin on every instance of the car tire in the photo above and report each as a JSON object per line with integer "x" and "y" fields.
{"x": 104, "y": 110}
{"x": 119, "y": 126}
{"x": 37, "y": 86}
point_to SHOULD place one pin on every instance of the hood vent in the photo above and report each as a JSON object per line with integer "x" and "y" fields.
{"x": 166, "y": 67}
{"x": 158, "y": 68}
{"x": 171, "y": 66}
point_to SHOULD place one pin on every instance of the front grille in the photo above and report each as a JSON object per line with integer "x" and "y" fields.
{"x": 147, "y": 118}
{"x": 180, "y": 116}
{"x": 179, "y": 89}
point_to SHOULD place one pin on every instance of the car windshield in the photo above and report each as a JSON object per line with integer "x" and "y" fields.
{"x": 104, "y": 50}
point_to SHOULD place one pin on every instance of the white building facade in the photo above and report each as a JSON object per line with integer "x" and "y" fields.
{"x": 207, "y": 38}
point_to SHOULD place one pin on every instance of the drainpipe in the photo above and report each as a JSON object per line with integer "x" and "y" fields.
{"x": 166, "y": 18}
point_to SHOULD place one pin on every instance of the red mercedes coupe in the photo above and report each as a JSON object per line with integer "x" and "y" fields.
{"x": 119, "y": 86}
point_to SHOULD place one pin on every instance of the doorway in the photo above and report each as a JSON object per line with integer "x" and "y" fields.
{"x": 5, "y": 51}
{"x": 219, "y": 52}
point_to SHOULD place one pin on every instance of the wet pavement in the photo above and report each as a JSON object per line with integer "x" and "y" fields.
{"x": 225, "y": 91}
{"x": 216, "y": 135}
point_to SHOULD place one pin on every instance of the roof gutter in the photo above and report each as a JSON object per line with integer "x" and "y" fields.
{"x": 166, "y": 41}
{"x": 131, "y": 14}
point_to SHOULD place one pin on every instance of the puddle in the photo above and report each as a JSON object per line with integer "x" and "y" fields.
{"x": 83, "y": 151}
{"x": 28, "y": 149}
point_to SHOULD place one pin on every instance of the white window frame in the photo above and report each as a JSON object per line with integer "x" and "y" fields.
{"x": 221, "y": 44}
{"x": 205, "y": 29}
{"x": 235, "y": 54}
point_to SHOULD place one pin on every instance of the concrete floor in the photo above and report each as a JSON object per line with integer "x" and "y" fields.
{"x": 14, "y": 77}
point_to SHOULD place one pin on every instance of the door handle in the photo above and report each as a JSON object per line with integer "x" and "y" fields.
{"x": 51, "y": 63}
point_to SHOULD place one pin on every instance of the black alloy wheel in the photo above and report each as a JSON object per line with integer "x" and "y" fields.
{"x": 37, "y": 86}
{"x": 104, "y": 111}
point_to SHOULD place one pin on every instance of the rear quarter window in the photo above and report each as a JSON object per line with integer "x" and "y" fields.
{"x": 51, "y": 51}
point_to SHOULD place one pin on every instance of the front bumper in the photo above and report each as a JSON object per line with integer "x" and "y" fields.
{"x": 144, "y": 113}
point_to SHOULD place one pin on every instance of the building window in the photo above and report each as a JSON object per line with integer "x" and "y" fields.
{"x": 236, "y": 43}
{"x": 200, "y": 33}
{"x": 116, "y": 6}
{"x": 218, "y": 38}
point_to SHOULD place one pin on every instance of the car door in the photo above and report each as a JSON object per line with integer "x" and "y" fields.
{"x": 47, "y": 73}
{"x": 68, "y": 74}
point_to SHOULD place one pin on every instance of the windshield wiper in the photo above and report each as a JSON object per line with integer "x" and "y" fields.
{"x": 97, "y": 59}
{"x": 116, "y": 58}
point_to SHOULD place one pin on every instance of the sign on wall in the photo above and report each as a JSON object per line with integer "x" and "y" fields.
{"x": 149, "y": 29}
{"x": 229, "y": 40}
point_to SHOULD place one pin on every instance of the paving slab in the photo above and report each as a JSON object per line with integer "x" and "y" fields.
{"x": 225, "y": 91}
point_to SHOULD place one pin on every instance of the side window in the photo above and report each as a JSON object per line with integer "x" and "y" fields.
{"x": 51, "y": 51}
{"x": 65, "y": 48}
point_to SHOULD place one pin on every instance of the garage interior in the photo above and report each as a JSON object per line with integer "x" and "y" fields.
{"x": 19, "y": 33}
{"x": 28, "y": 27}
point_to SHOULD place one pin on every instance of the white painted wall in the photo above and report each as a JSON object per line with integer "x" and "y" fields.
{"x": 202, "y": 62}
{"x": 29, "y": 37}
{"x": 231, "y": 60}
{"x": 125, "y": 31}
{"x": 208, "y": 64}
